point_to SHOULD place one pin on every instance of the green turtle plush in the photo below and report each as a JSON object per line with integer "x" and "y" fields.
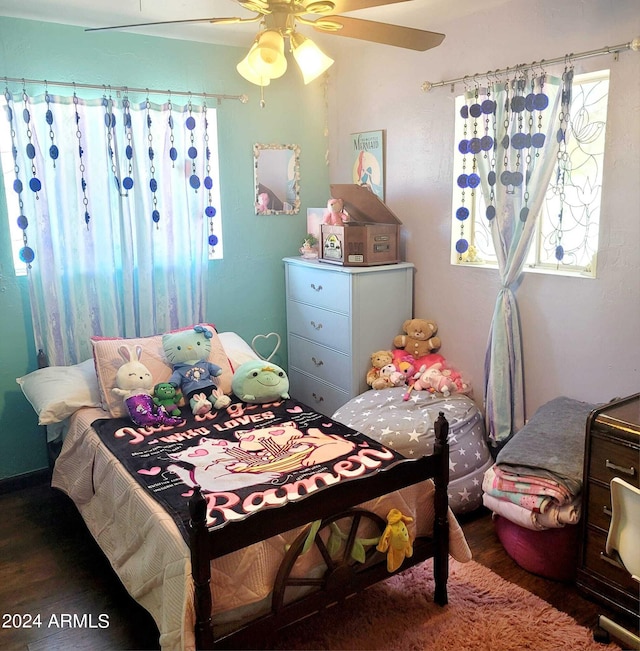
{"x": 260, "y": 381}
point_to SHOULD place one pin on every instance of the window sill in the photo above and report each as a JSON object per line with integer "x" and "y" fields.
{"x": 567, "y": 273}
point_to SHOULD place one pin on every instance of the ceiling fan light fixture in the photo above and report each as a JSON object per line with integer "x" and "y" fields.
{"x": 267, "y": 58}
{"x": 245, "y": 70}
{"x": 311, "y": 60}
{"x": 327, "y": 25}
{"x": 320, "y": 7}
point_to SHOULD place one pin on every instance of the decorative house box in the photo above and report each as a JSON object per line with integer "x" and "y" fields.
{"x": 370, "y": 237}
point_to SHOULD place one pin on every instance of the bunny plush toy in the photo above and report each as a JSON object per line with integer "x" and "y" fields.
{"x": 135, "y": 385}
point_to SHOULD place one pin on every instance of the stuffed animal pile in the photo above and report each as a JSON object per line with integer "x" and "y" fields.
{"x": 134, "y": 384}
{"x": 415, "y": 364}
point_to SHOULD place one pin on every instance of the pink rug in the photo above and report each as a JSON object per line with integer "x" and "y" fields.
{"x": 485, "y": 613}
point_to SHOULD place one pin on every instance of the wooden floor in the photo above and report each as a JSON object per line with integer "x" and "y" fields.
{"x": 51, "y": 569}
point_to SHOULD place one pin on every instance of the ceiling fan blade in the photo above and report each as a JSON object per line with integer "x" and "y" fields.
{"x": 343, "y": 6}
{"x": 226, "y": 20}
{"x": 368, "y": 30}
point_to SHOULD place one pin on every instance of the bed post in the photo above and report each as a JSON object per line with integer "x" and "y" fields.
{"x": 200, "y": 569}
{"x": 441, "y": 505}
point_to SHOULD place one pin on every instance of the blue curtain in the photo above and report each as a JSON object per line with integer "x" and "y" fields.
{"x": 516, "y": 130}
{"x": 117, "y": 204}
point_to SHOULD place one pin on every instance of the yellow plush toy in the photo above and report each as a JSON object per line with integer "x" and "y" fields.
{"x": 396, "y": 540}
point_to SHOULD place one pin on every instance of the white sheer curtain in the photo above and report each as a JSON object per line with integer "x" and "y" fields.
{"x": 104, "y": 262}
{"x": 514, "y": 151}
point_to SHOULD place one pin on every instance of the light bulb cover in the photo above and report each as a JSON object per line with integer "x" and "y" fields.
{"x": 246, "y": 71}
{"x": 311, "y": 60}
{"x": 267, "y": 59}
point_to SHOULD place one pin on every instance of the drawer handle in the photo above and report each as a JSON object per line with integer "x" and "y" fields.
{"x": 316, "y": 326}
{"x": 316, "y": 398}
{"x": 607, "y": 511}
{"x": 627, "y": 471}
{"x": 611, "y": 560}
{"x": 316, "y": 362}
{"x": 317, "y": 289}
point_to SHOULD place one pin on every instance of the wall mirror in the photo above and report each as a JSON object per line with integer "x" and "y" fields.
{"x": 277, "y": 179}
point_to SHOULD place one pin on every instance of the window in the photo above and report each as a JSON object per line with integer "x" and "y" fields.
{"x": 157, "y": 134}
{"x": 570, "y": 215}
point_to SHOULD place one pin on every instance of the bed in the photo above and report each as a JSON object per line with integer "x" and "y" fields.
{"x": 219, "y": 575}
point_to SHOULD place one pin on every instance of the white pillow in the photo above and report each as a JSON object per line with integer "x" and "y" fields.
{"x": 237, "y": 349}
{"x": 56, "y": 392}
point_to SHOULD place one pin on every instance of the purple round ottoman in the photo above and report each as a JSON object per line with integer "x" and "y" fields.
{"x": 551, "y": 553}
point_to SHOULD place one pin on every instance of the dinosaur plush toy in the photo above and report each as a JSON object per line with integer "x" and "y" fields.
{"x": 395, "y": 540}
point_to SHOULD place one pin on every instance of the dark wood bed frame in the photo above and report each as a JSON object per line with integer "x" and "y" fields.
{"x": 342, "y": 578}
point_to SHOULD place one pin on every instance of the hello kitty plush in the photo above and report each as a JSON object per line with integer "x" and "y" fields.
{"x": 188, "y": 351}
{"x": 135, "y": 385}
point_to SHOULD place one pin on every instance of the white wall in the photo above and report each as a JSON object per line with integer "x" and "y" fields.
{"x": 581, "y": 336}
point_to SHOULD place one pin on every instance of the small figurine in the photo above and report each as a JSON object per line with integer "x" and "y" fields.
{"x": 309, "y": 248}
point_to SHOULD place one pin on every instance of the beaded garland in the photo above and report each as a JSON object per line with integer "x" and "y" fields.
{"x": 125, "y": 180}
{"x": 521, "y": 142}
{"x": 26, "y": 253}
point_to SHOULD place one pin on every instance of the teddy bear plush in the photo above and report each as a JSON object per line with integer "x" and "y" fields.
{"x": 263, "y": 203}
{"x": 420, "y": 338}
{"x": 335, "y": 214}
{"x": 379, "y": 360}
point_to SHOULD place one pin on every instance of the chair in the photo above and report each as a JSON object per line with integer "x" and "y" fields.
{"x": 623, "y": 546}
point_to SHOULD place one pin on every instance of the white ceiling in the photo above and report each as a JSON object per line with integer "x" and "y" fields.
{"x": 423, "y": 14}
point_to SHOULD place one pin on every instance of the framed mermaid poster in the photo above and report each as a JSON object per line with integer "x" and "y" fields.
{"x": 368, "y": 160}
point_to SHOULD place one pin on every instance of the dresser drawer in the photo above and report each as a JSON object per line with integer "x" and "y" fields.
{"x": 319, "y": 287}
{"x": 321, "y": 326}
{"x": 322, "y": 362}
{"x": 595, "y": 563}
{"x": 599, "y": 506}
{"x": 322, "y": 397}
{"x": 611, "y": 459}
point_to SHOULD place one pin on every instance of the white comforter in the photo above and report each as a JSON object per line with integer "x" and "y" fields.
{"x": 148, "y": 553}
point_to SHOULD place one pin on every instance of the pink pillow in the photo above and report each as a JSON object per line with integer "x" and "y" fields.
{"x": 107, "y": 361}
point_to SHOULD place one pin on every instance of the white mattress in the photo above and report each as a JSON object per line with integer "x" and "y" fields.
{"x": 145, "y": 548}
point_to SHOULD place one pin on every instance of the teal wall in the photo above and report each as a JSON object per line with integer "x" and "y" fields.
{"x": 246, "y": 289}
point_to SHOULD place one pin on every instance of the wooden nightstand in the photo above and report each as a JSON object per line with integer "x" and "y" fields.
{"x": 612, "y": 450}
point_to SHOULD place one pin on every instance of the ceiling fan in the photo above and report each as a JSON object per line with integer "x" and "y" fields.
{"x": 279, "y": 18}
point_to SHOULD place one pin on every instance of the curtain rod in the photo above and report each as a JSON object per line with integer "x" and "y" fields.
{"x": 127, "y": 89}
{"x": 615, "y": 49}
